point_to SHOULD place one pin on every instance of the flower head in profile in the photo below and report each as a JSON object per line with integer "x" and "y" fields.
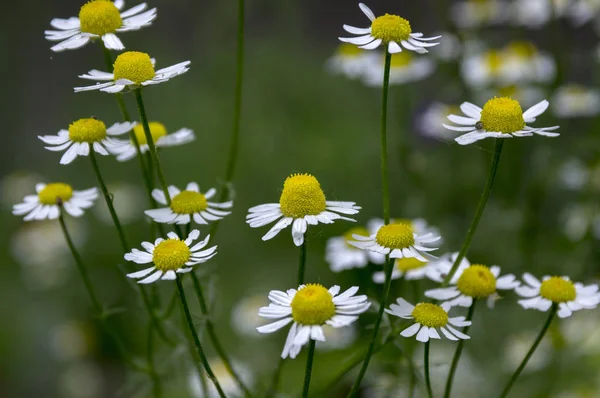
{"x": 126, "y": 150}
{"x": 560, "y": 290}
{"x": 404, "y": 68}
{"x": 302, "y": 203}
{"x": 500, "y": 118}
{"x": 390, "y": 31}
{"x": 83, "y": 135}
{"x": 429, "y": 319}
{"x": 469, "y": 282}
{"x": 50, "y": 198}
{"x": 188, "y": 205}
{"x": 170, "y": 257}
{"x": 308, "y": 309}
{"x": 132, "y": 70}
{"x": 341, "y": 255}
{"x": 420, "y": 226}
{"x": 98, "y": 19}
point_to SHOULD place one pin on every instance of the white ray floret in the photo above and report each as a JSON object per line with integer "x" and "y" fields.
{"x": 342, "y": 256}
{"x": 49, "y": 200}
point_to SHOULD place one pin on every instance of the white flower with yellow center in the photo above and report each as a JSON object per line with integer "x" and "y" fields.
{"x": 308, "y": 309}
{"x": 302, "y": 202}
{"x": 569, "y": 296}
{"x": 500, "y": 118}
{"x": 83, "y": 134}
{"x": 419, "y": 226}
{"x": 408, "y": 267}
{"x": 187, "y": 205}
{"x": 98, "y": 19}
{"x": 341, "y": 255}
{"x": 51, "y": 197}
{"x": 429, "y": 319}
{"x": 398, "y": 241}
{"x": 126, "y": 150}
{"x": 170, "y": 257}
{"x": 404, "y": 68}
{"x": 388, "y": 30}
{"x": 348, "y": 60}
{"x": 524, "y": 63}
{"x": 484, "y": 68}
{"x": 132, "y": 70}
{"x": 574, "y": 100}
{"x": 469, "y": 282}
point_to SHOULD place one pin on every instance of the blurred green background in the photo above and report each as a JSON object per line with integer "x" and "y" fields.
{"x": 297, "y": 117}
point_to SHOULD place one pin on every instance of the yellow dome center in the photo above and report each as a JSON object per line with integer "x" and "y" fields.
{"x": 502, "y": 115}
{"x": 135, "y": 66}
{"x": 312, "y": 305}
{"x": 189, "y": 202}
{"x": 430, "y": 315}
{"x": 171, "y": 254}
{"x": 302, "y": 196}
{"x": 55, "y": 191}
{"x": 409, "y": 263}
{"x": 99, "y": 17}
{"x": 87, "y": 130}
{"x": 390, "y": 27}
{"x": 395, "y": 236}
{"x": 558, "y": 290}
{"x": 477, "y": 281}
{"x": 157, "y": 130}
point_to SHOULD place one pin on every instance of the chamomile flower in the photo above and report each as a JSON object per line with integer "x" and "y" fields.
{"x": 187, "y": 205}
{"x": 574, "y": 100}
{"x": 98, "y": 19}
{"x": 348, "y": 60}
{"x": 429, "y": 318}
{"x": 126, "y": 149}
{"x": 308, "y": 309}
{"x": 132, "y": 70}
{"x": 408, "y": 267}
{"x": 404, "y": 68}
{"x": 569, "y": 296}
{"x": 83, "y": 134}
{"x": 170, "y": 257}
{"x": 302, "y": 202}
{"x": 388, "y": 30}
{"x": 469, "y": 282}
{"x": 500, "y": 118}
{"x": 398, "y": 241}
{"x": 342, "y": 256}
{"x": 51, "y": 197}
{"x": 419, "y": 226}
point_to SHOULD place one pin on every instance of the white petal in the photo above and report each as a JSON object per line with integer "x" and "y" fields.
{"x": 411, "y": 330}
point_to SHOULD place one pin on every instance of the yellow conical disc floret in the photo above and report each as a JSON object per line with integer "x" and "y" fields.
{"x": 157, "y": 130}
{"x": 87, "y": 130}
{"x": 477, "y": 281}
{"x": 312, "y": 305}
{"x": 558, "y": 290}
{"x": 170, "y": 255}
{"x": 189, "y": 202}
{"x": 395, "y": 236}
{"x": 135, "y": 66}
{"x": 100, "y": 17}
{"x": 54, "y": 192}
{"x": 503, "y": 115}
{"x": 301, "y": 196}
{"x": 390, "y": 27}
{"x": 430, "y": 315}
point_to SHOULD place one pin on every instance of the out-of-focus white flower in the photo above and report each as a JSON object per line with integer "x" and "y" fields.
{"x": 245, "y": 318}
{"x": 69, "y": 340}
{"x": 574, "y": 100}
{"x": 16, "y": 185}
{"x": 578, "y": 219}
{"x": 337, "y": 338}
{"x": 127, "y": 200}
{"x": 518, "y": 344}
{"x": 430, "y": 122}
{"x": 535, "y": 13}
{"x": 228, "y": 383}
{"x": 451, "y": 49}
{"x": 573, "y": 174}
{"x": 476, "y": 13}
{"x": 348, "y": 60}
{"x": 582, "y": 334}
{"x": 583, "y": 11}
{"x": 82, "y": 379}
{"x": 341, "y": 255}
{"x": 404, "y": 68}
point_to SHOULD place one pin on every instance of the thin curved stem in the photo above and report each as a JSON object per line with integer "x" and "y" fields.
{"x": 383, "y": 137}
{"x": 194, "y": 333}
{"x": 458, "y": 352}
{"x": 302, "y": 262}
{"x": 485, "y": 195}
{"x": 309, "y": 364}
{"x": 537, "y": 341}
{"x": 426, "y": 362}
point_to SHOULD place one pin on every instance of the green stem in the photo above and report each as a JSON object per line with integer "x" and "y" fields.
{"x": 426, "y": 361}
{"x": 192, "y": 328}
{"x": 309, "y": 363}
{"x": 458, "y": 352}
{"x": 384, "y": 162}
{"x": 478, "y": 212}
{"x": 537, "y": 341}
{"x": 302, "y": 262}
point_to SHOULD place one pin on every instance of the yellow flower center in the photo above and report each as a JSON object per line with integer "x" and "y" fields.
{"x": 522, "y": 49}
{"x": 395, "y": 236}
{"x": 170, "y": 255}
{"x": 401, "y": 60}
{"x": 55, "y": 191}
{"x": 558, "y": 290}
{"x": 157, "y": 130}
{"x": 477, "y": 281}
{"x": 312, "y": 305}
{"x": 502, "y": 115}
{"x": 135, "y": 66}
{"x": 349, "y": 50}
{"x": 302, "y": 195}
{"x": 189, "y": 202}
{"x": 354, "y": 231}
{"x": 100, "y": 17}
{"x": 430, "y": 315}
{"x": 87, "y": 130}
{"x": 409, "y": 263}
{"x": 493, "y": 60}
{"x": 390, "y": 28}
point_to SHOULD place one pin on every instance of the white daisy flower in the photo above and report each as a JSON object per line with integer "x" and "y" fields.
{"x": 83, "y": 134}
{"x": 308, "y": 309}
{"x": 483, "y": 68}
{"x": 429, "y": 318}
{"x": 51, "y": 197}
{"x": 187, "y": 205}
{"x": 475, "y": 13}
{"x": 419, "y": 226}
{"x": 569, "y": 296}
{"x": 574, "y": 100}
{"x": 348, "y": 60}
{"x": 523, "y": 62}
{"x": 170, "y": 257}
{"x": 408, "y": 267}
{"x": 404, "y": 68}
{"x": 388, "y": 30}
{"x": 470, "y": 281}
{"x": 99, "y": 19}
{"x": 132, "y": 70}
{"x": 500, "y": 118}
{"x": 429, "y": 122}
{"x": 342, "y": 256}
{"x": 302, "y": 203}
{"x": 126, "y": 149}
{"x": 583, "y": 11}
{"x": 398, "y": 241}
{"x": 534, "y": 13}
